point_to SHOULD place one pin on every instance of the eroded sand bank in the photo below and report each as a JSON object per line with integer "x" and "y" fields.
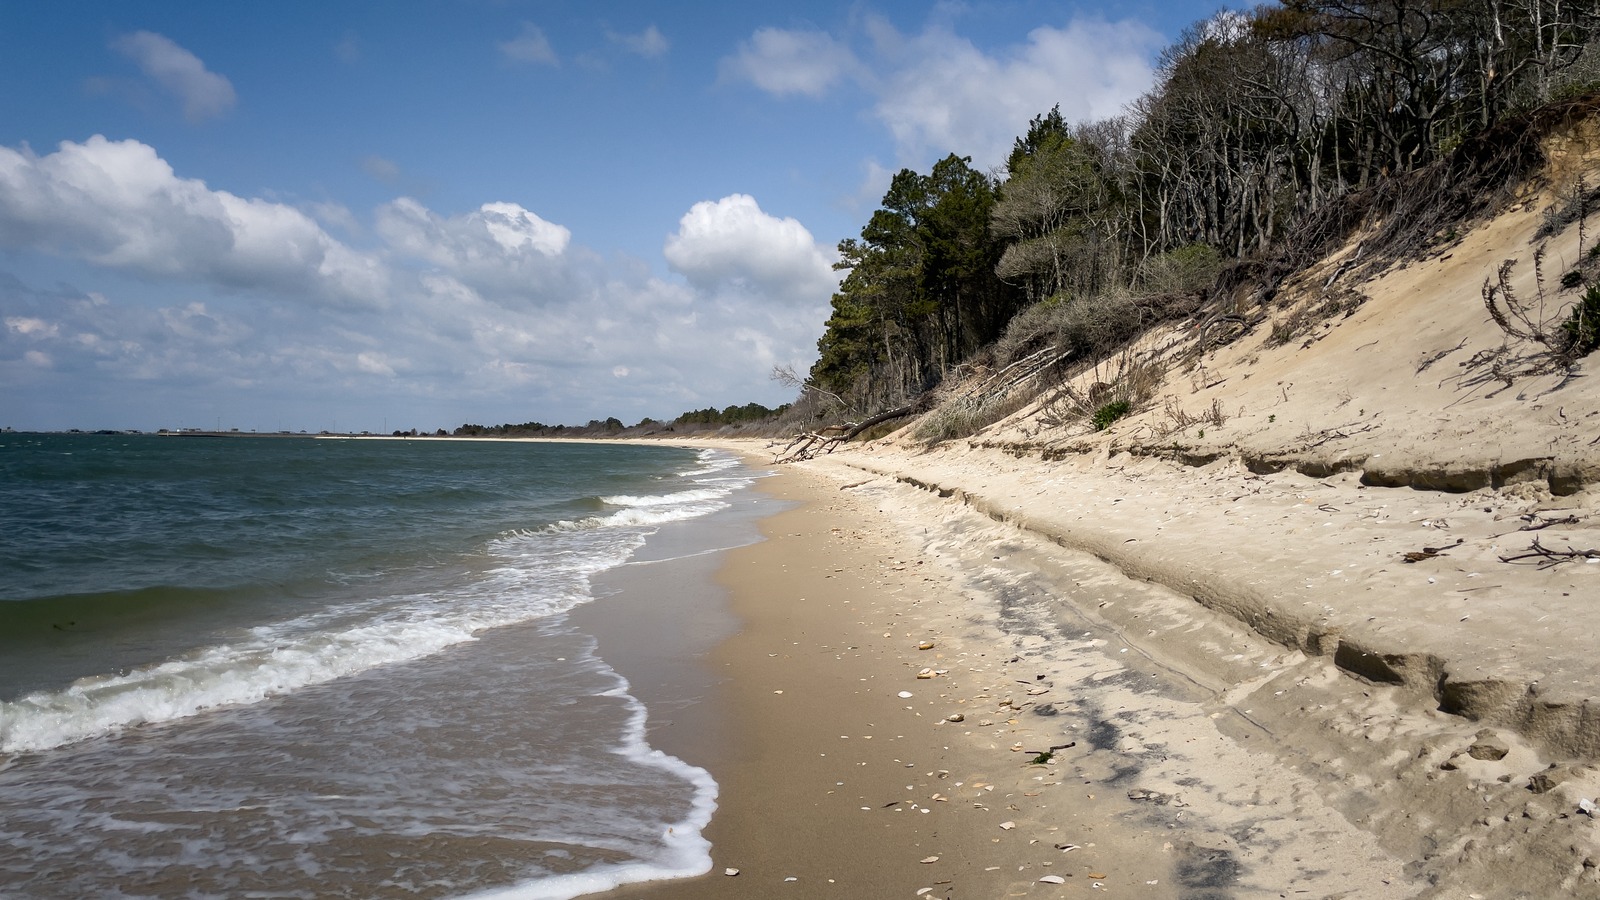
{"x": 1167, "y": 780}
{"x": 1318, "y": 616}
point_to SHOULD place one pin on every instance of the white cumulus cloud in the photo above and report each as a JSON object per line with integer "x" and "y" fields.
{"x": 650, "y": 43}
{"x": 31, "y": 327}
{"x": 117, "y": 204}
{"x": 936, "y": 92}
{"x": 945, "y": 95}
{"x": 245, "y": 301}
{"x": 516, "y": 229}
{"x": 783, "y": 61}
{"x": 732, "y": 241}
{"x": 500, "y": 250}
{"x": 529, "y": 46}
{"x": 204, "y": 93}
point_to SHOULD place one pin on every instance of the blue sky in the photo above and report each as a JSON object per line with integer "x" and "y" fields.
{"x": 378, "y": 216}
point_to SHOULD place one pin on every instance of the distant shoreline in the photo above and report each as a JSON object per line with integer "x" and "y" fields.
{"x": 670, "y": 437}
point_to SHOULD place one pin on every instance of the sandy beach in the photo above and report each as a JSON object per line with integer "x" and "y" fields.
{"x": 1316, "y": 619}
{"x": 832, "y": 783}
{"x": 1208, "y": 736}
{"x": 843, "y": 773}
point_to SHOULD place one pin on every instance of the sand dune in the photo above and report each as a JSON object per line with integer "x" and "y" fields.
{"x": 1319, "y": 618}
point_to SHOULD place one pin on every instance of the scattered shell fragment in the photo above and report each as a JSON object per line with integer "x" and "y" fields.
{"x": 929, "y": 859}
{"x": 1008, "y": 825}
{"x": 1052, "y": 879}
{"x": 955, "y": 717}
{"x": 921, "y": 891}
{"x": 730, "y": 871}
{"x": 1097, "y": 874}
{"x": 905, "y": 695}
{"x": 925, "y": 645}
{"x": 925, "y": 674}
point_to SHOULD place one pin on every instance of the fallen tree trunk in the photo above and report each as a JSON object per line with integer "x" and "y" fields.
{"x": 810, "y": 443}
{"x": 879, "y": 419}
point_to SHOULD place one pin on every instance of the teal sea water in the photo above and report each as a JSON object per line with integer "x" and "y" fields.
{"x": 312, "y": 667}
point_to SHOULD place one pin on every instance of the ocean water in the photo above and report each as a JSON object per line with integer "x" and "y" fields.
{"x": 285, "y": 667}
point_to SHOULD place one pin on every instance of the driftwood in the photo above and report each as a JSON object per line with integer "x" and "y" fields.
{"x": 1535, "y": 522}
{"x": 1548, "y": 558}
{"x": 1430, "y": 552}
{"x": 824, "y": 440}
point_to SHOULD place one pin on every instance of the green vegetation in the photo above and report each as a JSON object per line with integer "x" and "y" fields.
{"x": 1105, "y": 415}
{"x": 607, "y": 426}
{"x": 921, "y": 293}
{"x": 748, "y": 414}
{"x": 1582, "y": 327}
{"x": 1269, "y": 136}
{"x": 733, "y": 415}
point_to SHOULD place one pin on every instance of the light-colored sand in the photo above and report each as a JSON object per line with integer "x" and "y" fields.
{"x": 832, "y": 784}
{"x": 1297, "y": 648}
{"x": 833, "y": 779}
{"x": 1309, "y": 647}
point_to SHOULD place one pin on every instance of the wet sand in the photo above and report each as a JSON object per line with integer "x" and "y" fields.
{"x": 833, "y": 784}
{"x": 824, "y": 770}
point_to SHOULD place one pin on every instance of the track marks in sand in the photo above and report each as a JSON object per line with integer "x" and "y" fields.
{"x": 1321, "y": 751}
{"x": 1140, "y": 753}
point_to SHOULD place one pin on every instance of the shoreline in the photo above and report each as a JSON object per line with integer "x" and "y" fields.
{"x": 1207, "y": 748}
{"x": 834, "y": 784}
{"x": 818, "y": 748}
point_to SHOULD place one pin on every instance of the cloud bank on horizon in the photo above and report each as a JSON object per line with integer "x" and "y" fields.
{"x": 205, "y": 246}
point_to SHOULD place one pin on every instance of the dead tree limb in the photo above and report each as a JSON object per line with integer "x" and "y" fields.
{"x": 898, "y": 412}
{"x": 826, "y": 440}
{"x": 1550, "y": 558}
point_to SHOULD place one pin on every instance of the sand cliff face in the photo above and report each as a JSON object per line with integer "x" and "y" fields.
{"x": 1376, "y": 478}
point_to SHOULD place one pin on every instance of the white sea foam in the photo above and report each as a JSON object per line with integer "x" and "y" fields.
{"x": 638, "y": 517}
{"x": 667, "y": 499}
{"x": 685, "y": 852}
{"x": 712, "y": 461}
{"x": 520, "y": 576}
{"x": 225, "y": 675}
{"x": 312, "y": 649}
{"x": 539, "y": 573}
{"x": 600, "y": 787}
